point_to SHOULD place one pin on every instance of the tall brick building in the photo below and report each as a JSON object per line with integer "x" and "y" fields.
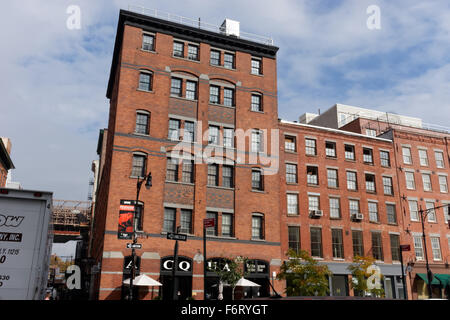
{"x": 175, "y": 86}
{"x": 198, "y": 109}
{"x": 5, "y": 160}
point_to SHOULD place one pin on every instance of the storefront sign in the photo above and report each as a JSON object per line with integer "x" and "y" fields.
{"x": 218, "y": 263}
{"x": 257, "y": 266}
{"x": 184, "y": 264}
{"x": 127, "y": 262}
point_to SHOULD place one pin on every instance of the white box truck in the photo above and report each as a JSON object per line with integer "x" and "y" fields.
{"x": 26, "y": 238}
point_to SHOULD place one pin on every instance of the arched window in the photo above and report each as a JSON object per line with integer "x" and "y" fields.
{"x": 257, "y": 226}
{"x": 145, "y": 80}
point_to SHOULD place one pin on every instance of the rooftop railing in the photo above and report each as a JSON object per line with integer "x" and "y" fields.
{"x": 197, "y": 23}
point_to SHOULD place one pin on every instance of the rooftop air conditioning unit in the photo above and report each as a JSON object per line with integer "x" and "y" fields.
{"x": 315, "y": 213}
{"x": 230, "y": 27}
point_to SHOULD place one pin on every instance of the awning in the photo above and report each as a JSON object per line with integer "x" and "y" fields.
{"x": 423, "y": 276}
{"x": 444, "y": 279}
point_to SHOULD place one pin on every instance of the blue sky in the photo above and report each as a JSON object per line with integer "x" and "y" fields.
{"x": 53, "y": 80}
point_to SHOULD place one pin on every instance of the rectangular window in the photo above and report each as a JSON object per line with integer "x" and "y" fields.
{"x": 413, "y": 210}
{"x": 257, "y": 145}
{"x": 191, "y": 90}
{"x": 227, "y": 225}
{"x": 138, "y": 166}
{"x": 316, "y": 242}
{"x": 385, "y": 159}
{"x": 256, "y": 103}
{"x": 353, "y": 206}
{"x": 256, "y": 66}
{"x": 395, "y": 247}
{"x": 189, "y": 131}
{"x": 172, "y": 169}
{"x": 294, "y": 238}
{"x": 228, "y": 137}
{"x": 289, "y": 144}
{"x": 367, "y": 155}
{"x": 407, "y": 159}
{"x": 214, "y": 94}
{"x": 148, "y": 42}
{"x": 188, "y": 171}
{"x": 228, "y": 97}
{"x": 142, "y": 122}
{"x": 431, "y": 212}
{"x": 257, "y": 227}
{"x": 178, "y": 49}
{"x": 227, "y": 176}
{"x": 145, "y": 81}
{"x": 313, "y": 203}
{"x": 332, "y": 175}
{"x": 186, "y": 221}
{"x": 387, "y": 186}
{"x": 215, "y": 58}
{"x": 351, "y": 181}
{"x": 377, "y": 246}
{"x": 175, "y": 87}
{"x": 169, "y": 220}
{"x": 312, "y": 175}
{"x": 212, "y": 231}
{"x": 335, "y": 208}
{"x": 349, "y": 152}
{"x": 410, "y": 182}
{"x": 358, "y": 244}
{"x": 443, "y": 187}
{"x": 436, "y": 248}
{"x": 373, "y": 211}
{"x": 213, "y": 135}
{"x": 213, "y": 175}
{"x": 439, "y": 156}
{"x": 193, "y": 52}
{"x": 292, "y": 204}
{"x": 426, "y": 179}
{"x": 291, "y": 173}
{"x": 174, "y": 129}
{"x": 371, "y": 132}
{"x": 423, "y": 157}
{"x": 228, "y": 60}
{"x": 418, "y": 248}
{"x": 391, "y": 213}
{"x": 310, "y": 147}
{"x": 257, "y": 180}
{"x": 330, "y": 149}
{"x": 337, "y": 243}
{"x": 370, "y": 183}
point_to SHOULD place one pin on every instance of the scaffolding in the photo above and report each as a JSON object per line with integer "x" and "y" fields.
{"x": 71, "y": 215}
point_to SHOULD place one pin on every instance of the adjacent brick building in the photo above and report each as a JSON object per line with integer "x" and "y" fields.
{"x": 198, "y": 109}
{"x": 5, "y": 160}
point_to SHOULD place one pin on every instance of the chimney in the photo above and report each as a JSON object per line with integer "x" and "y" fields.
{"x": 7, "y": 144}
{"x": 230, "y": 27}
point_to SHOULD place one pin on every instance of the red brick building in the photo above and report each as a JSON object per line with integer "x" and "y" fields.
{"x": 198, "y": 109}
{"x": 5, "y": 160}
{"x": 340, "y": 198}
{"x": 174, "y": 86}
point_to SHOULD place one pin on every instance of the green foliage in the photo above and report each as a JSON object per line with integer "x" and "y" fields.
{"x": 233, "y": 273}
{"x": 361, "y": 275}
{"x": 304, "y": 275}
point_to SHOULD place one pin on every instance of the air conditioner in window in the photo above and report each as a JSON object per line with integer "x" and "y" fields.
{"x": 357, "y": 216}
{"x": 315, "y": 213}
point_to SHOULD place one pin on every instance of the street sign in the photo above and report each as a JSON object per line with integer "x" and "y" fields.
{"x": 208, "y": 223}
{"x": 176, "y": 236}
{"x": 405, "y": 247}
{"x": 134, "y": 246}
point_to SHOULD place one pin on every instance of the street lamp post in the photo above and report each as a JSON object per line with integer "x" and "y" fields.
{"x": 423, "y": 215}
{"x": 148, "y": 184}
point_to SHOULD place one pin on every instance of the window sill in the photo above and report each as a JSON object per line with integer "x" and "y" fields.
{"x": 185, "y": 59}
{"x": 292, "y": 183}
{"x": 375, "y": 222}
{"x": 317, "y": 258}
{"x": 333, "y": 188}
{"x": 313, "y": 185}
{"x": 221, "y": 237}
{"x": 146, "y": 91}
{"x": 222, "y": 67}
{"x": 290, "y": 151}
{"x": 256, "y": 111}
{"x": 221, "y": 105}
{"x": 136, "y": 177}
{"x": 141, "y": 134}
{"x": 149, "y": 51}
{"x": 335, "y": 218}
{"x": 259, "y": 191}
{"x": 338, "y": 259}
{"x": 180, "y": 182}
{"x": 293, "y": 215}
{"x": 257, "y": 74}
{"x": 369, "y": 163}
{"x": 183, "y": 98}
{"x": 258, "y": 240}
{"x": 350, "y": 160}
{"x": 220, "y": 187}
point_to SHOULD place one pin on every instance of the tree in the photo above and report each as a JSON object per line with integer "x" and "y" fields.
{"x": 230, "y": 273}
{"x": 366, "y": 277}
{"x": 304, "y": 275}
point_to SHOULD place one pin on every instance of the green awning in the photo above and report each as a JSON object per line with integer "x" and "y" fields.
{"x": 444, "y": 279}
{"x": 423, "y": 276}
